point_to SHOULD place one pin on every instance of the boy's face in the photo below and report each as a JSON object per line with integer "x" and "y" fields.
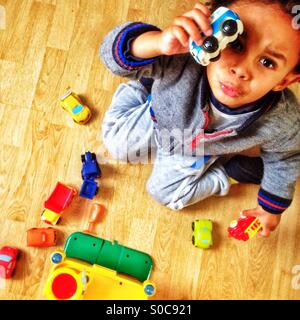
{"x": 264, "y": 60}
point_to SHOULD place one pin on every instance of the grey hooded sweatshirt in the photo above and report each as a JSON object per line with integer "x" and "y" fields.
{"x": 180, "y": 101}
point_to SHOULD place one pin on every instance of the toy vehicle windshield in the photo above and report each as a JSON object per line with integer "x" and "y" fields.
{"x": 5, "y": 258}
{"x": 43, "y": 236}
{"x": 204, "y": 240}
{"x": 77, "y": 109}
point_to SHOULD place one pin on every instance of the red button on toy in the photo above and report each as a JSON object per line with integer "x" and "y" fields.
{"x": 64, "y": 286}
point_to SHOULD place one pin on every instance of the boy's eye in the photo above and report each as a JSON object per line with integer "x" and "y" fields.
{"x": 267, "y": 63}
{"x": 237, "y": 45}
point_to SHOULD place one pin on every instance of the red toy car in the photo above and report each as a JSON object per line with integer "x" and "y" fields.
{"x": 244, "y": 228}
{"x": 8, "y": 261}
{"x": 41, "y": 237}
{"x": 57, "y": 203}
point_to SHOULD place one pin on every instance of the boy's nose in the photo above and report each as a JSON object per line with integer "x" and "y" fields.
{"x": 240, "y": 72}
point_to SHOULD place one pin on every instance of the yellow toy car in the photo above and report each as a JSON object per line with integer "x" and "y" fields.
{"x": 80, "y": 113}
{"x": 202, "y": 233}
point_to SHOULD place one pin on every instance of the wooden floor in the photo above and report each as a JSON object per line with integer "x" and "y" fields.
{"x": 50, "y": 45}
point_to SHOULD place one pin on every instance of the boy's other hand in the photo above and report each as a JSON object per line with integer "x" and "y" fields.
{"x": 175, "y": 38}
{"x": 268, "y": 220}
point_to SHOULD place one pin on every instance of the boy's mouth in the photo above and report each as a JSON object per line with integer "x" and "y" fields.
{"x": 230, "y": 90}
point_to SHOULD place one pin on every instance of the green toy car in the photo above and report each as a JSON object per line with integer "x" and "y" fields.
{"x": 202, "y": 233}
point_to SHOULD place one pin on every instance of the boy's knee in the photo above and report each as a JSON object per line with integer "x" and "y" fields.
{"x": 124, "y": 148}
{"x": 155, "y": 192}
{"x": 164, "y": 194}
{"x": 115, "y": 147}
{"x": 114, "y": 137}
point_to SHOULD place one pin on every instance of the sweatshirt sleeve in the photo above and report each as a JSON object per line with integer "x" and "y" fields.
{"x": 281, "y": 157}
{"x": 115, "y": 52}
{"x": 281, "y": 171}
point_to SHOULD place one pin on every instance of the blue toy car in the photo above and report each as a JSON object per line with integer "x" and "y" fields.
{"x": 89, "y": 189}
{"x": 226, "y": 26}
{"x": 89, "y": 172}
{"x": 90, "y": 167}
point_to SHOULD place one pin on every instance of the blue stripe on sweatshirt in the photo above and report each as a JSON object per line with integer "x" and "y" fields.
{"x": 121, "y": 46}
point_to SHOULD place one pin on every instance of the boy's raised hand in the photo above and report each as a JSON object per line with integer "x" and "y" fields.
{"x": 175, "y": 38}
{"x": 268, "y": 220}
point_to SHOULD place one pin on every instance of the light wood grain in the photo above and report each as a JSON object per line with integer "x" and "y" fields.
{"x": 50, "y": 45}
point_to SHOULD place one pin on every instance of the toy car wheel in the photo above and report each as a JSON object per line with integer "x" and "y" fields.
{"x": 149, "y": 289}
{"x": 193, "y": 240}
{"x": 229, "y": 28}
{"x": 210, "y": 44}
{"x": 56, "y": 258}
{"x": 193, "y": 225}
{"x": 97, "y": 190}
{"x": 18, "y": 255}
{"x": 12, "y": 273}
{"x": 93, "y": 155}
{"x": 82, "y": 158}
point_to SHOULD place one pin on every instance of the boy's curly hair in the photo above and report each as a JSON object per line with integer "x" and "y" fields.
{"x": 286, "y": 5}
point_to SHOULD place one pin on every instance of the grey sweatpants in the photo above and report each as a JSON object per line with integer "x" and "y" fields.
{"x": 129, "y": 133}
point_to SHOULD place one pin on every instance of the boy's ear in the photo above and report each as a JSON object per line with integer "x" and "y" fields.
{"x": 291, "y": 78}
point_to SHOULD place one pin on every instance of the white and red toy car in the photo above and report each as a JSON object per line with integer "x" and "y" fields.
{"x": 8, "y": 261}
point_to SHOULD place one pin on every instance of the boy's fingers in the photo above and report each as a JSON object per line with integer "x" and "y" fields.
{"x": 265, "y": 232}
{"x": 189, "y": 26}
{"x": 203, "y": 8}
{"x": 249, "y": 213}
{"x": 201, "y": 19}
{"x": 181, "y": 35}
